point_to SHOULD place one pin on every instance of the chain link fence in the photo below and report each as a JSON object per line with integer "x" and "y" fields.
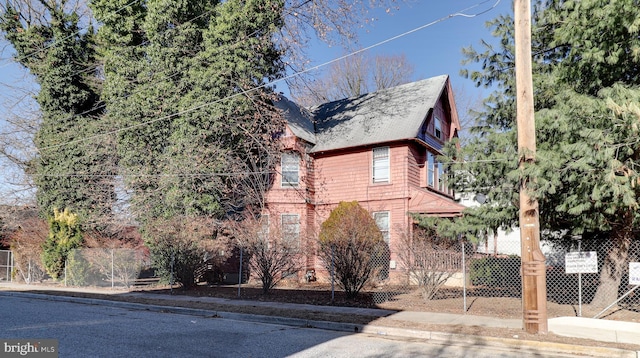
{"x": 6, "y": 265}
{"x": 98, "y": 267}
{"x": 596, "y": 276}
{"x": 579, "y": 273}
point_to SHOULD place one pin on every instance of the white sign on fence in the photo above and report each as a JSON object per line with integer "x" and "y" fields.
{"x": 581, "y": 262}
{"x": 634, "y": 273}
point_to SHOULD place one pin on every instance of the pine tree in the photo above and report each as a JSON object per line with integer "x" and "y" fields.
{"x": 64, "y": 236}
{"x": 68, "y": 172}
{"x": 181, "y": 77}
{"x": 586, "y": 78}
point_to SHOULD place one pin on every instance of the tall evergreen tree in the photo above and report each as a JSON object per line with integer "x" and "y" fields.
{"x": 586, "y": 77}
{"x": 68, "y": 172}
{"x": 185, "y": 80}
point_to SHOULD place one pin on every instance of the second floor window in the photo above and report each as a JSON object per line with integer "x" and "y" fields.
{"x": 437, "y": 174}
{"x": 381, "y": 165}
{"x": 431, "y": 174}
{"x": 290, "y": 164}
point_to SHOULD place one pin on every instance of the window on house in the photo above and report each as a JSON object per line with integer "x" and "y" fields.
{"x": 442, "y": 182}
{"x": 290, "y": 227}
{"x": 263, "y": 232}
{"x": 431, "y": 175}
{"x": 290, "y": 164}
{"x": 382, "y": 220}
{"x": 437, "y": 127}
{"x": 381, "y": 165}
{"x": 436, "y": 174}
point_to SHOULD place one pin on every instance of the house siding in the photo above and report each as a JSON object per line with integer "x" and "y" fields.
{"x": 329, "y": 177}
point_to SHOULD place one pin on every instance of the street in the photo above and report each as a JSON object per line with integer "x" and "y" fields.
{"x": 101, "y": 331}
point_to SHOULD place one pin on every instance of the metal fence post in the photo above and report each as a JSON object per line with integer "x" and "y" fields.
{"x": 240, "y": 273}
{"x": 173, "y": 258}
{"x": 332, "y": 276}
{"x": 112, "y": 269}
{"x": 464, "y": 278}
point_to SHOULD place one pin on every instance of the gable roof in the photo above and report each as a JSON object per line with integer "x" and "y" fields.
{"x": 298, "y": 119}
{"x": 388, "y": 115}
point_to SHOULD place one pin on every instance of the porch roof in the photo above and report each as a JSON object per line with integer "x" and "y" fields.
{"x": 426, "y": 202}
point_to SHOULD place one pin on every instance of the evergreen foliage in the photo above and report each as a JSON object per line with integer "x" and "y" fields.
{"x": 61, "y": 56}
{"x": 585, "y": 177}
{"x": 64, "y": 236}
{"x": 180, "y": 78}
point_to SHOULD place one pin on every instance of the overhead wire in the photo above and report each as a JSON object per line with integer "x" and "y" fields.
{"x": 53, "y": 43}
{"x": 460, "y": 13}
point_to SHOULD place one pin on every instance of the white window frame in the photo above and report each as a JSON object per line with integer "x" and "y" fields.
{"x": 431, "y": 177}
{"x": 381, "y": 164}
{"x": 290, "y": 226}
{"x": 437, "y": 127}
{"x": 442, "y": 178}
{"x": 289, "y": 164}
{"x": 386, "y": 232}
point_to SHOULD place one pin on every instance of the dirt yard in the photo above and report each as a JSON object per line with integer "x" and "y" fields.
{"x": 478, "y": 301}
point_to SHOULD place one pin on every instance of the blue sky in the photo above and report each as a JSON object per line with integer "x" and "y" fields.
{"x": 433, "y": 50}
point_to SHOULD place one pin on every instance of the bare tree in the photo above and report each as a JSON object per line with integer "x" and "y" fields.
{"x": 273, "y": 257}
{"x": 354, "y": 76}
{"x": 181, "y": 245}
{"x": 25, "y": 233}
{"x": 429, "y": 261}
{"x": 468, "y": 107}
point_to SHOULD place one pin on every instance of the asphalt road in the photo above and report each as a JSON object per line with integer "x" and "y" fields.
{"x": 84, "y": 330}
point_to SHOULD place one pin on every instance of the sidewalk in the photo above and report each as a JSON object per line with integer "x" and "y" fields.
{"x": 578, "y": 327}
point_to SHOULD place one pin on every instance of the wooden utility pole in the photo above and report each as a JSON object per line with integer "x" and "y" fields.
{"x": 534, "y": 285}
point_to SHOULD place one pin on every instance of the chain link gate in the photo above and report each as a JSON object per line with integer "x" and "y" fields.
{"x": 6, "y": 265}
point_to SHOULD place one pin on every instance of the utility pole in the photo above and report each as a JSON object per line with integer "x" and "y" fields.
{"x": 534, "y": 285}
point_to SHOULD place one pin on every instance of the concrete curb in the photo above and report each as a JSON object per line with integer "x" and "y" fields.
{"x": 511, "y": 344}
{"x": 371, "y": 329}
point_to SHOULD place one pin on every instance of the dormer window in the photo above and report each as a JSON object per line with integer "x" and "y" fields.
{"x": 437, "y": 128}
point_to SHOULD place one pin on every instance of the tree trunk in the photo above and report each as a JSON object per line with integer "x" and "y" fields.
{"x": 615, "y": 264}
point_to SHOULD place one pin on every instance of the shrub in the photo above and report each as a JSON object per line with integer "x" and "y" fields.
{"x": 26, "y": 238}
{"x": 180, "y": 246}
{"x": 64, "y": 235}
{"x": 351, "y": 242}
{"x": 78, "y": 269}
{"x": 493, "y": 271}
{"x": 429, "y": 260}
{"x": 272, "y": 255}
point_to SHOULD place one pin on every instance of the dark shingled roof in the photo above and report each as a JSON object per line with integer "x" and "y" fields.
{"x": 298, "y": 119}
{"x": 387, "y": 115}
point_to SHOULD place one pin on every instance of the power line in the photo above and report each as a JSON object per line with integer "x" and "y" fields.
{"x": 25, "y": 57}
{"x": 89, "y": 68}
{"x": 460, "y": 13}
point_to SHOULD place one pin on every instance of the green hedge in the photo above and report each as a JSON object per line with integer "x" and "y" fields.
{"x": 495, "y": 271}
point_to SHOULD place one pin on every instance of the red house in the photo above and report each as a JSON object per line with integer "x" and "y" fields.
{"x": 379, "y": 149}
